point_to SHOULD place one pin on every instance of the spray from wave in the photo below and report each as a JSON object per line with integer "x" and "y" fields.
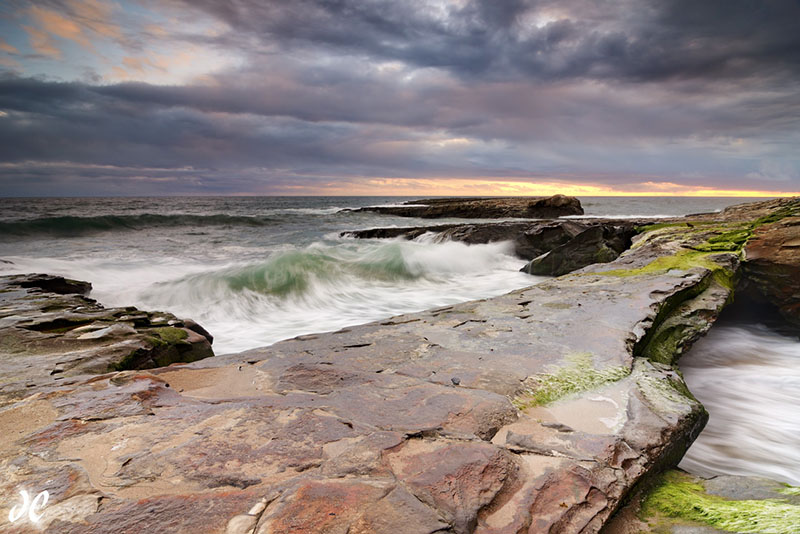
{"x": 293, "y": 291}
{"x": 748, "y": 378}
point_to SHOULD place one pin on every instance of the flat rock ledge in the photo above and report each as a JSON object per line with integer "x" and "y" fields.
{"x": 536, "y": 411}
{"x": 484, "y": 208}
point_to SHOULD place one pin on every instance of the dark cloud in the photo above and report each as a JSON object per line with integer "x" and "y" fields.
{"x": 622, "y": 92}
{"x": 631, "y": 40}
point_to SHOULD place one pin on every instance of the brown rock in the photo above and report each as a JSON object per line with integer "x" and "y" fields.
{"x": 51, "y": 332}
{"x": 458, "y": 479}
{"x": 772, "y": 265}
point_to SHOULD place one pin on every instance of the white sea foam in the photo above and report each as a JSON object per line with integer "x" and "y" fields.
{"x": 615, "y": 216}
{"x": 295, "y": 291}
{"x": 748, "y": 378}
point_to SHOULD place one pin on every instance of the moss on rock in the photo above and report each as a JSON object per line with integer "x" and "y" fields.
{"x": 578, "y": 375}
{"x": 679, "y": 496}
{"x": 171, "y": 335}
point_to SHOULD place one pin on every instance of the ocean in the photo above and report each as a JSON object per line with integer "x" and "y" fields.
{"x": 256, "y": 270}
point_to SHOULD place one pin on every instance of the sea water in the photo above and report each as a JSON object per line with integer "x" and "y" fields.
{"x": 255, "y": 270}
{"x": 748, "y": 378}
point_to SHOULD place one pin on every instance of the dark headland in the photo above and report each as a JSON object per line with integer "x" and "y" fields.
{"x": 557, "y": 408}
{"x": 485, "y": 208}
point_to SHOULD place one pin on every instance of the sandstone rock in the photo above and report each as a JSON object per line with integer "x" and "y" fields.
{"x": 50, "y": 331}
{"x": 772, "y": 265}
{"x": 485, "y": 208}
{"x": 194, "y": 327}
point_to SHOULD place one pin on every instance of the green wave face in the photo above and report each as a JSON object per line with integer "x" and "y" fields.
{"x": 294, "y": 272}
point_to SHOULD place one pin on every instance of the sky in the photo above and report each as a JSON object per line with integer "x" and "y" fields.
{"x": 399, "y": 97}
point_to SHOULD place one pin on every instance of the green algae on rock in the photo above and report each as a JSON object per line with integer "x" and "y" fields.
{"x": 367, "y": 430}
{"x": 681, "y": 496}
{"x": 578, "y": 376}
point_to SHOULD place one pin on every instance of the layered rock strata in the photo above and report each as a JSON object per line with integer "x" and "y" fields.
{"x": 485, "y": 208}
{"x": 773, "y": 265}
{"x": 51, "y": 332}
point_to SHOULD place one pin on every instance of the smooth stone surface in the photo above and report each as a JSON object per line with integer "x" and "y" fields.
{"x": 349, "y": 430}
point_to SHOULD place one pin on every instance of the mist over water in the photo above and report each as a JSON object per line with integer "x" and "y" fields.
{"x": 253, "y": 271}
{"x": 748, "y": 378}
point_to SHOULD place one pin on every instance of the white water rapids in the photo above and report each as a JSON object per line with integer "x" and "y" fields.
{"x": 748, "y": 378}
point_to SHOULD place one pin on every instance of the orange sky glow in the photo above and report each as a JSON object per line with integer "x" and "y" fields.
{"x": 481, "y": 187}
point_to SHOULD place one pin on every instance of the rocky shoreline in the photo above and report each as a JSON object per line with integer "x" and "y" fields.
{"x": 543, "y": 410}
{"x": 553, "y": 247}
{"x": 484, "y": 208}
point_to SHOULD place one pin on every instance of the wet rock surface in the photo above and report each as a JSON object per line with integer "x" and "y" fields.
{"x": 596, "y": 244}
{"x": 51, "y": 331}
{"x": 536, "y": 411}
{"x": 530, "y": 239}
{"x": 485, "y": 208}
{"x": 680, "y": 503}
{"x": 773, "y": 265}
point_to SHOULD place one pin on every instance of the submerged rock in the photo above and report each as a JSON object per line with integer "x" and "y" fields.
{"x": 485, "y": 208}
{"x": 50, "y": 331}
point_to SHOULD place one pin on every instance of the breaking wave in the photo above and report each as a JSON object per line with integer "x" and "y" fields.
{"x": 322, "y": 288}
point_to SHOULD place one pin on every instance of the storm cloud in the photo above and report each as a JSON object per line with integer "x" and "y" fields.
{"x": 310, "y": 93}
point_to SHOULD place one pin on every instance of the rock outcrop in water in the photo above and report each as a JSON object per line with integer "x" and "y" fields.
{"x": 600, "y": 243}
{"x": 485, "y": 208}
{"x": 597, "y": 239}
{"x": 51, "y": 331}
{"x": 536, "y": 411}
